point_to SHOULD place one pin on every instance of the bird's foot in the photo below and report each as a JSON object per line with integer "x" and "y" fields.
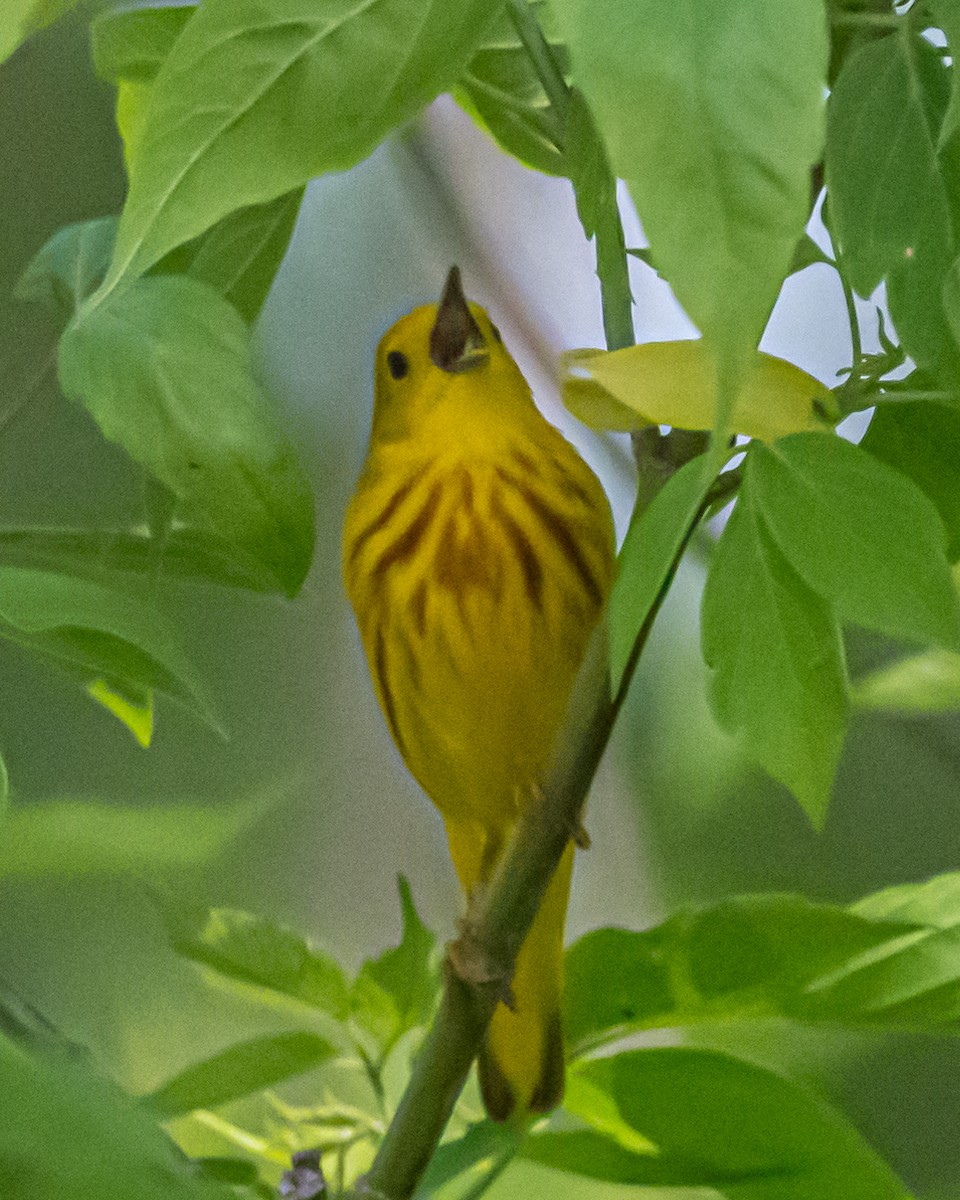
{"x": 578, "y": 833}
{"x": 469, "y": 960}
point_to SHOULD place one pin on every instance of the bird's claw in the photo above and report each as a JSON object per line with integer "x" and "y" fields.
{"x": 469, "y": 961}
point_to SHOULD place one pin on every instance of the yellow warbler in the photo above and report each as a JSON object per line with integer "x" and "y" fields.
{"x": 478, "y": 554}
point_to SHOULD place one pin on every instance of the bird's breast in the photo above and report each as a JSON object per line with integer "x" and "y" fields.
{"x": 476, "y": 585}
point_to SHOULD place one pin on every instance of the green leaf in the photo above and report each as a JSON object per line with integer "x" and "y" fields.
{"x": 888, "y": 201}
{"x": 915, "y": 686}
{"x": 4, "y": 791}
{"x": 655, "y": 537}
{"x": 915, "y": 297}
{"x": 583, "y": 1098}
{"x": 916, "y": 303}
{"x": 70, "y": 266}
{"x": 164, "y": 368}
{"x": 257, "y": 951}
{"x": 21, "y": 18}
{"x": 237, "y": 1071}
{"x": 594, "y": 185}
{"x": 910, "y": 981}
{"x": 520, "y": 129}
{"x": 105, "y": 556}
{"x": 468, "y": 1159}
{"x": 774, "y": 648}
{"x": 253, "y": 101}
{"x": 922, "y": 441}
{"x": 95, "y": 629}
{"x": 239, "y": 1171}
{"x": 885, "y": 188}
{"x": 935, "y": 902}
{"x": 746, "y": 958}
{"x": 501, "y": 88}
{"x": 859, "y": 534}
{"x": 951, "y": 298}
{"x": 29, "y": 1029}
{"x": 644, "y": 254}
{"x": 82, "y": 837}
{"x": 719, "y": 1123}
{"x": 132, "y": 43}
{"x": 913, "y": 982}
{"x": 947, "y": 15}
{"x": 715, "y": 146}
{"x": 240, "y": 255}
{"x": 598, "y": 1156}
{"x": 398, "y": 990}
{"x": 129, "y": 47}
{"x": 806, "y": 254}
{"x": 67, "y": 1131}
{"x": 374, "y": 1012}
{"x": 887, "y": 962}
{"x": 159, "y": 511}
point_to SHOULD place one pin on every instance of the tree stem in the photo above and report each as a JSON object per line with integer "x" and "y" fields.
{"x": 614, "y": 275}
{"x": 856, "y": 346}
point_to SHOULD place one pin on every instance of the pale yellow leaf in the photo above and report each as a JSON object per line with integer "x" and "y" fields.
{"x": 675, "y": 383}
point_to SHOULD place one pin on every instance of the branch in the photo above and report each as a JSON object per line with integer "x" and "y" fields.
{"x": 613, "y": 273}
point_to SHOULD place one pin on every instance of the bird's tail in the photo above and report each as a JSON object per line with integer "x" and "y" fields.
{"x": 521, "y": 1064}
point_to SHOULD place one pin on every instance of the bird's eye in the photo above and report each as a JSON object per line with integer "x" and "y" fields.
{"x": 398, "y": 363}
{"x": 496, "y": 332}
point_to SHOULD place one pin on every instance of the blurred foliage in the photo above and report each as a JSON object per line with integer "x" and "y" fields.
{"x": 835, "y": 563}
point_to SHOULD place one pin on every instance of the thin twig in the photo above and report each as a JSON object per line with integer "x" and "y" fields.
{"x": 856, "y": 346}
{"x": 852, "y": 387}
{"x": 613, "y": 272}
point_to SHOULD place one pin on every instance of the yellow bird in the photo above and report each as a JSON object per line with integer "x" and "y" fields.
{"x": 478, "y": 554}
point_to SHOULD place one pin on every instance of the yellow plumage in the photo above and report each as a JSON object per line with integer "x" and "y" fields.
{"x": 478, "y": 555}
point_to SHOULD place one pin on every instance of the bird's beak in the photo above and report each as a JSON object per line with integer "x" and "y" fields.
{"x": 456, "y": 343}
